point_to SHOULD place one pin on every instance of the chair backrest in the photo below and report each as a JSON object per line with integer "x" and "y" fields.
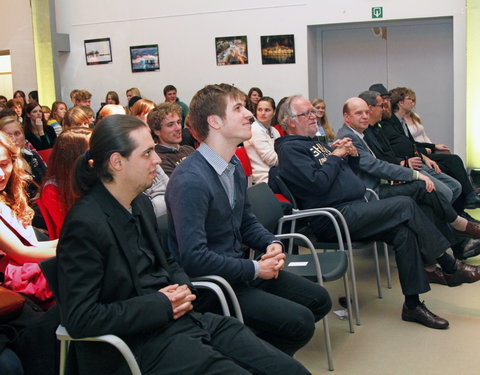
{"x": 49, "y": 269}
{"x": 286, "y": 191}
{"x": 45, "y": 154}
{"x": 241, "y": 154}
{"x": 265, "y": 206}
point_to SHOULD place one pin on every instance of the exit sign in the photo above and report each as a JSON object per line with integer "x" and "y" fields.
{"x": 377, "y": 12}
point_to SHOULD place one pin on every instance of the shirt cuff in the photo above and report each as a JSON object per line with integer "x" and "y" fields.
{"x": 257, "y": 269}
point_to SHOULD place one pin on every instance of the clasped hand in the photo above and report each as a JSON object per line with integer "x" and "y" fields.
{"x": 180, "y": 297}
{"x": 271, "y": 262}
{"x": 344, "y": 147}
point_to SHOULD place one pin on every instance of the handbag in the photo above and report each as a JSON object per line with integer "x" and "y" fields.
{"x": 11, "y": 304}
{"x": 27, "y": 278}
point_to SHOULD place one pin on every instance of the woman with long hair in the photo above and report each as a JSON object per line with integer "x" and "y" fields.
{"x": 76, "y": 117}
{"x": 260, "y": 148}
{"x": 324, "y": 128}
{"x": 112, "y": 98}
{"x": 37, "y": 132}
{"x": 56, "y": 119}
{"x": 58, "y": 194}
{"x": 18, "y": 243}
{"x": 35, "y": 165}
{"x": 253, "y": 97}
{"x": 20, "y": 95}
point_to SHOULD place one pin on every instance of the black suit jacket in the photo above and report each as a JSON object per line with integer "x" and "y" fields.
{"x": 99, "y": 290}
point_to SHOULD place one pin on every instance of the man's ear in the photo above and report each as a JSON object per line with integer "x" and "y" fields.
{"x": 116, "y": 161}
{"x": 214, "y": 121}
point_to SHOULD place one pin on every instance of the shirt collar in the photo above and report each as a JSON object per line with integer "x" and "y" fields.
{"x": 214, "y": 159}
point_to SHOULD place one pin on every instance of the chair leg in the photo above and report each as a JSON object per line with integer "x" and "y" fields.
{"x": 354, "y": 290}
{"x": 377, "y": 271}
{"x": 328, "y": 345}
{"x": 63, "y": 356}
{"x": 387, "y": 264}
{"x": 349, "y": 303}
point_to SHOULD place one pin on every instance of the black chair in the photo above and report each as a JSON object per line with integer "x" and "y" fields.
{"x": 316, "y": 266}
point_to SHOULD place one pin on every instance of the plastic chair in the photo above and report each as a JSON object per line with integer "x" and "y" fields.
{"x": 318, "y": 267}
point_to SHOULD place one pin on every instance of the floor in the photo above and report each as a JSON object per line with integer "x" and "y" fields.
{"x": 384, "y": 344}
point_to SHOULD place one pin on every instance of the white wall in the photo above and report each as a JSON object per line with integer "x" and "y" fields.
{"x": 16, "y": 35}
{"x": 185, "y": 33}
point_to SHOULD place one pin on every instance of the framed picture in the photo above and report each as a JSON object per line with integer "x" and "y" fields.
{"x": 98, "y": 51}
{"x": 231, "y": 50}
{"x": 144, "y": 58}
{"x": 278, "y": 49}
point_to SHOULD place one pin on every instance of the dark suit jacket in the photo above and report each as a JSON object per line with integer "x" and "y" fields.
{"x": 99, "y": 290}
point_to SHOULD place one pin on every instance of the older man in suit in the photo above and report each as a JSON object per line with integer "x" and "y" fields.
{"x": 115, "y": 278}
{"x": 390, "y": 179}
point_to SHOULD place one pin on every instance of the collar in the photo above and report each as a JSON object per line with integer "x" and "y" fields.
{"x": 217, "y": 163}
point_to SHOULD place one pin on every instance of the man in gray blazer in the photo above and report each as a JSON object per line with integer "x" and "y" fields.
{"x": 389, "y": 179}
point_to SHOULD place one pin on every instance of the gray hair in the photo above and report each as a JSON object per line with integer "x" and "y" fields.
{"x": 285, "y": 111}
{"x": 369, "y": 96}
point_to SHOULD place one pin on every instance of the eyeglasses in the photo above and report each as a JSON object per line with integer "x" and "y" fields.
{"x": 306, "y": 114}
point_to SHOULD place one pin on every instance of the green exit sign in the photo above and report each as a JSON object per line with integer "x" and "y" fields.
{"x": 377, "y": 12}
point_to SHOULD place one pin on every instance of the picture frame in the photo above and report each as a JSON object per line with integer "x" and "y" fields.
{"x": 98, "y": 51}
{"x": 144, "y": 58}
{"x": 231, "y": 50}
{"x": 278, "y": 49}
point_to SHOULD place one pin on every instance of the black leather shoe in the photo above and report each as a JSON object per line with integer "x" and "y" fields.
{"x": 422, "y": 315}
{"x": 472, "y": 202}
{"x": 471, "y": 248}
{"x": 436, "y": 276}
{"x": 464, "y": 273}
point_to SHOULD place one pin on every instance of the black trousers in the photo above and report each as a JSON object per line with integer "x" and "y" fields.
{"x": 281, "y": 311}
{"x": 198, "y": 344}
{"x": 435, "y": 206}
{"x": 401, "y": 223}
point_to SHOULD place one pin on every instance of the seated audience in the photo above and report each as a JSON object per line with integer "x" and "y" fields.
{"x": 403, "y": 144}
{"x": 82, "y": 98}
{"x": 58, "y": 194}
{"x": 76, "y": 117}
{"x": 141, "y": 109}
{"x": 389, "y": 179}
{"x": 210, "y": 219}
{"x": 275, "y": 118}
{"x": 166, "y": 126}
{"x": 130, "y": 93}
{"x": 253, "y": 96}
{"x": 112, "y": 98}
{"x": 37, "y": 132}
{"x": 20, "y": 95}
{"x": 170, "y": 94}
{"x": 110, "y": 109}
{"x": 3, "y": 100}
{"x": 35, "y": 165}
{"x": 260, "y": 148}
{"x": 325, "y": 132}
{"x": 16, "y": 105}
{"x": 18, "y": 243}
{"x": 115, "y": 278}
{"x": 56, "y": 119}
{"x": 322, "y": 176}
{"x": 33, "y": 97}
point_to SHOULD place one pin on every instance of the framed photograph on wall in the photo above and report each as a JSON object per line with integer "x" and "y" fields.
{"x": 231, "y": 50}
{"x": 144, "y": 58}
{"x": 278, "y": 49}
{"x": 98, "y": 51}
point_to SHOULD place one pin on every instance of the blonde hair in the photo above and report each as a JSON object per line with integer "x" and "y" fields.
{"x": 324, "y": 120}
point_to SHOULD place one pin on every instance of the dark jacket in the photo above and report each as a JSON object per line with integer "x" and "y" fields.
{"x": 315, "y": 176}
{"x": 171, "y": 158}
{"x": 206, "y": 234}
{"x": 99, "y": 288}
